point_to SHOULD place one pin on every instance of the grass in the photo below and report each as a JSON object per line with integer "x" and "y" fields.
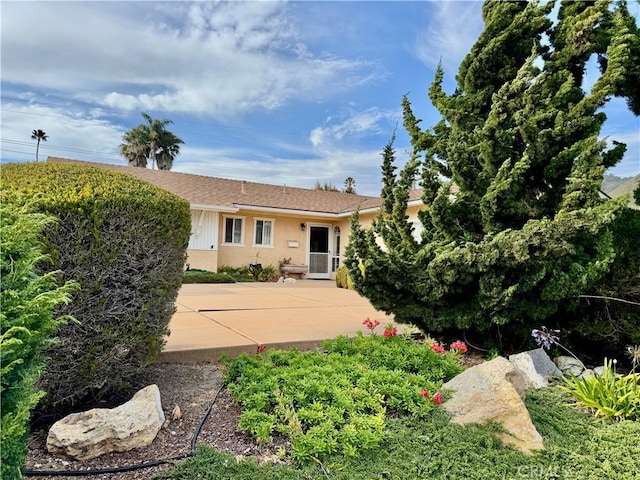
{"x": 420, "y": 444}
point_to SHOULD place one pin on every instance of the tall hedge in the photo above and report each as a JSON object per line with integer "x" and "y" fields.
{"x": 27, "y": 323}
{"x": 124, "y": 241}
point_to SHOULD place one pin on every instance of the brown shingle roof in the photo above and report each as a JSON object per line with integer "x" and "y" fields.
{"x": 221, "y": 192}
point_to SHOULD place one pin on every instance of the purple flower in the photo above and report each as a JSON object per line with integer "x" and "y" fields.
{"x": 545, "y": 338}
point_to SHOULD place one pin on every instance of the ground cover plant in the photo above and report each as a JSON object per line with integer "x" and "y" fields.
{"x": 335, "y": 401}
{"x": 577, "y": 446}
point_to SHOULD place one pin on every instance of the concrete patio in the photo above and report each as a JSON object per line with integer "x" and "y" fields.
{"x": 228, "y": 319}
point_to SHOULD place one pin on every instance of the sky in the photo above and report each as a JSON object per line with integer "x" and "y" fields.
{"x": 276, "y": 92}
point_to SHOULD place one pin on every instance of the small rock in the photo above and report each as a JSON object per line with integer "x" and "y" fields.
{"x": 177, "y": 413}
{"x": 569, "y": 365}
{"x": 598, "y": 371}
{"x": 536, "y": 366}
{"x": 87, "y": 435}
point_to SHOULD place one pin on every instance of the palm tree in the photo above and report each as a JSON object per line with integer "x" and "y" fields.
{"x": 349, "y": 185}
{"x": 150, "y": 140}
{"x": 39, "y": 135}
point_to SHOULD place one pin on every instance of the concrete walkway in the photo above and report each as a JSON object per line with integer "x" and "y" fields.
{"x": 228, "y": 319}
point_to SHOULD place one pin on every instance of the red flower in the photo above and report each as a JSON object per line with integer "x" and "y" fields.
{"x": 436, "y": 347}
{"x": 390, "y": 331}
{"x": 370, "y": 324}
{"x": 260, "y": 348}
{"x": 424, "y": 393}
{"x": 437, "y": 399}
{"x": 459, "y": 346}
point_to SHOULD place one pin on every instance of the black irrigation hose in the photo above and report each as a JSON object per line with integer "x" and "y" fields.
{"x": 128, "y": 468}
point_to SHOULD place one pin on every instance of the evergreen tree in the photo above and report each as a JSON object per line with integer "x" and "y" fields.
{"x": 514, "y": 225}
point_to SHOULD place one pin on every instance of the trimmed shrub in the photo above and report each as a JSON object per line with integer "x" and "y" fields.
{"x": 124, "y": 241}
{"x": 342, "y": 277}
{"x": 27, "y": 323}
{"x": 204, "y": 276}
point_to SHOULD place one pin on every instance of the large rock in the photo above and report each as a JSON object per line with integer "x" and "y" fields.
{"x": 569, "y": 365}
{"x": 536, "y": 366}
{"x": 494, "y": 391}
{"x": 87, "y": 435}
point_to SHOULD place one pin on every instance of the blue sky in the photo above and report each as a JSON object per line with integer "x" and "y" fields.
{"x": 276, "y": 92}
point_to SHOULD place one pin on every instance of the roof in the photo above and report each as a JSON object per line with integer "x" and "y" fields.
{"x": 225, "y": 194}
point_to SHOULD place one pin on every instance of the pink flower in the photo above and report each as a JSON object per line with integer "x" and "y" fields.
{"x": 370, "y": 324}
{"x": 260, "y": 348}
{"x": 459, "y": 346}
{"x": 436, "y": 347}
{"x": 390, "y": 331}
{"x": 424, "y": 393}
{"x": 437, "y": 399}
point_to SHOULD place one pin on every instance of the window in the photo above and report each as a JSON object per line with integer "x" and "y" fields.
{"x": 233, "y": 231}
{"x": 263, "y": 233}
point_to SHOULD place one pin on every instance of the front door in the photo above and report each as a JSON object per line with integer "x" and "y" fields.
{"x": 319, "y": 263}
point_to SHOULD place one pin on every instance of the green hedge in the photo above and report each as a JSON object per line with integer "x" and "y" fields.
{"x": 204, "y": 276}
{"x": 124, "y": 241}
{"x": 27, "y": 301}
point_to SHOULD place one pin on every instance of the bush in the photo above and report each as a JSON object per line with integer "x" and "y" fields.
{"x": 26, "y": 325}
{"x": 263, "y": 274}
{"x": 343, "y": 279}
{"x": 342, "y": 276}
{"x": 605, "y": 326}
{"x": 203, "y": 276}
{"x": 124, "y": 240}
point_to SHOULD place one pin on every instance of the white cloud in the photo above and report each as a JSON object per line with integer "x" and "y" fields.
{"x": 372, "y": 121}
{"x": 71, "y": 134}
{"x": 90, "y": 137}
{"x": 303, "y": 171}
{"x": 217, "y": 58}
{"x": 453, "y": 27}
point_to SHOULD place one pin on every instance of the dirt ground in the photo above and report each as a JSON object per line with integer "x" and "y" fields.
{"x": 192, "y": 388}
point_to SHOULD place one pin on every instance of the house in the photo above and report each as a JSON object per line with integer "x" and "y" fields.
{"x": 237, "y": 223}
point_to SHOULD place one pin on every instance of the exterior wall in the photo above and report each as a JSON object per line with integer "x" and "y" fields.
{"x": 288, "y": 238}
{"x": 289, "y": 241}
{"x": 203, "y": 259}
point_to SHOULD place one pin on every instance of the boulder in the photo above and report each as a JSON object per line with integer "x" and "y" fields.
{"x": 536, "y": 366}
{"x": 588, "y": 373}
{"x": 569, "y": 365}
{"x": 87, "y": 435}
{"x": 494, "y": 391}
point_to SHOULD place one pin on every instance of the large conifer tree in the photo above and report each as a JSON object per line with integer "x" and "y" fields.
{"x": 514, "y": 225}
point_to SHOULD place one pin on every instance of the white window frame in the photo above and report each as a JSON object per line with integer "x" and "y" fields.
{"x": 255, "y": 229}
{"x": 242, "y": 229}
